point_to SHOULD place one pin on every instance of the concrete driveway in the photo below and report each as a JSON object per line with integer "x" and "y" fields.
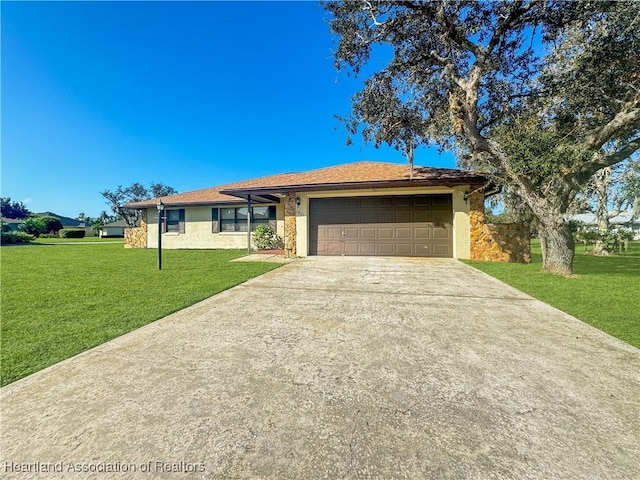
{"x": 339, "y": 368}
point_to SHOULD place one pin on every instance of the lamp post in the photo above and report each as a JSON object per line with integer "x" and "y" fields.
{"x": 160, "y": 210}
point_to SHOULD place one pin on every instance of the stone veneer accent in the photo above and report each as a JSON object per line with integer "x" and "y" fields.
{"x": 498, "y": 242}
{"x": 136, "y": 237}
{"x": 290, "y": 224}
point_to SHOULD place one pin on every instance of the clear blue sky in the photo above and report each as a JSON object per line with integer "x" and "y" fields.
{"x": 101, "y": 94}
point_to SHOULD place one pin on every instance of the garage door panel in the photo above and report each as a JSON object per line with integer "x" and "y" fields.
{"x": 351, "y": 248}
{"x": 333, "y": 233}
{"x": 440, "y": 200}
{"x": 440, "y": 217}
{"x": 385, "y": 233}
{"x": 441, "y": 233}
{"x": 403, "y": 233}
{"x": 422, "y": 216}
{"x": 422, "y": 233}
{"x": 404, "y": 249}
{"x": 351, "y": 202}
{"x": 351, "y": 232}
{"x": 368, "y": 217}
{"x": 368, "y": 202}
{"x": 351, "y": 217}
{"x": 385, "y": 249}
{"x": 333, "y": 248}
{"x": 390, "y": 225}
{"x": 421, "y": 249}
{"x": 404, "y": 217}
{"x": 441, "y": 250}
{"x": 368, "y": 249}
{"x": 367, "y": 233}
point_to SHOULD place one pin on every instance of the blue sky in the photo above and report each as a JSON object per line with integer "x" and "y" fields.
{"x": 101, "y": 94}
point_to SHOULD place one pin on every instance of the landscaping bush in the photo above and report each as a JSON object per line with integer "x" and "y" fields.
{"x": 71, "y": 233}
{"x": 266, "y": 238}
{"x": 37, "y": 226}
{"x": 16, "y": 237}
{"x": 33, "y": 226}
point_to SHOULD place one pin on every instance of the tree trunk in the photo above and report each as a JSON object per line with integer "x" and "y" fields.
{"x": 557, "y": 248}
{"x": 602, "y": 180}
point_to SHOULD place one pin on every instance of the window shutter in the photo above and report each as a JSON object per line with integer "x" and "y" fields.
{"x": 272, "y": 217}
{"x": 181, "y": 220}
{"x": 215, "y": 220}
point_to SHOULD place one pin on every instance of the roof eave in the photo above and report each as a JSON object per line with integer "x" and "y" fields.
{"x": 238, "y": 201}
{"x": 468, "y": 180}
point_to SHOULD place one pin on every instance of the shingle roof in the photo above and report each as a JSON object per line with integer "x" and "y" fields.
{"x": 341, "y": 176}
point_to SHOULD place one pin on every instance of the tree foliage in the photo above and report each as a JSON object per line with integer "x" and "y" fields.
{"x": 37, "y": 226}
{"x": 539, "y": 94}
{"x": 136, "y": 192}
{"x": 13, "y": 209}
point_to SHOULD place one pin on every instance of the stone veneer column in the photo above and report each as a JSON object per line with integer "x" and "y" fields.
{"x": 290, "y": 224}
{"x": 137, "y": 237}
{"x": 476, "y": 224}
{"x": 500, "y": 242}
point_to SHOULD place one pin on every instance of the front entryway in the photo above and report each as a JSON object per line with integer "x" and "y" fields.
{"x": 415, "y": 226}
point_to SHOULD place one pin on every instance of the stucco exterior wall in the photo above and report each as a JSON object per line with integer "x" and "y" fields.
{"x": 198, "y": 231}
{"x": 198, "y": 225}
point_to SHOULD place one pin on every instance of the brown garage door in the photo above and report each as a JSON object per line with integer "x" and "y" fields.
{"x": 416, "y": 226}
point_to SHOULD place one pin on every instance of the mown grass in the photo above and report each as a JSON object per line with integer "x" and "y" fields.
{"x": 604, "y": 292}
{"x": 44, "y": 241}
{"x": 59, "y": 300}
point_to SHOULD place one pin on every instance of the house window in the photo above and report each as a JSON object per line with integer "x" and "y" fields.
{"x": 174, "y": 221}
{"x": 234, "y": 219}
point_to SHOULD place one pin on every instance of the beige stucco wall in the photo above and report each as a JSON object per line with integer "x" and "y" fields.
{"x": 461, "y": 236}
{"x": 198, "y": 232}
{"x": 198, "y": 222}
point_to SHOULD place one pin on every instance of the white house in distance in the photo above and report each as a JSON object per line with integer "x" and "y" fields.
{"x": 362, "y": 208}
{"x": 113, "y": 229}
{"x": 623, "y": 219}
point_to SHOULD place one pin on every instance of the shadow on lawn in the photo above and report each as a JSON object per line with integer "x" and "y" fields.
{"x": 626, "y": 264}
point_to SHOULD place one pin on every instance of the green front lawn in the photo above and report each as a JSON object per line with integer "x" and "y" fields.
{"x": 605, "y": 291}
{"x": 59, "y": 300}
{"x": 78, "y": 240}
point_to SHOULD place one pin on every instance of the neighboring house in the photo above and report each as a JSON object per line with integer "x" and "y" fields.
{"x": 11, "y": 224}
{"x": 621, "y": 220}
{"x": 363, "y": 208}
{"x": 68, "y": 222}
{"x": 113, "y": 229}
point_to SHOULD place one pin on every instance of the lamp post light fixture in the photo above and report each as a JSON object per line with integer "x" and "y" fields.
{"x": 160, "y": 210}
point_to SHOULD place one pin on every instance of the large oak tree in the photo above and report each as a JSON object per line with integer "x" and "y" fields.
{"x": 541, "y": 94}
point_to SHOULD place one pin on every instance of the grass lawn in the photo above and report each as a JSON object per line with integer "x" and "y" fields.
{"x": 605, "y": 291}
{"x": 59, "y": 300}
{"x": 78, "y": 240}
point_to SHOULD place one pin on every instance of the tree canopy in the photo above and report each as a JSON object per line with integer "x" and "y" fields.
{"x": 539, "y": 94}
{"x": 135, "y": 192}
{"x": 13, "y": 209}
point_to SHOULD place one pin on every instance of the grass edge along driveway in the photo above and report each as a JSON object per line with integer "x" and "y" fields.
{"x": 603, "y": 292}
{"x": 60, "y": 300}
